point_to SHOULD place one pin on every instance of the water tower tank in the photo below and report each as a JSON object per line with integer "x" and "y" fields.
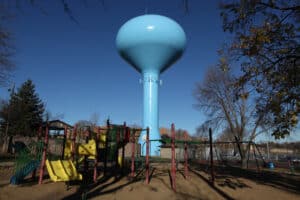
{"x": 151, "y": 43}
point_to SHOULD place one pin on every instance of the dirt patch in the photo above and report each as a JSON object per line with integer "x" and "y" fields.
{"x": 197, "y": 186}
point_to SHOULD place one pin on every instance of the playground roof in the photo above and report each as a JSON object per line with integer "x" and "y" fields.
{"x": 57, "y": 125}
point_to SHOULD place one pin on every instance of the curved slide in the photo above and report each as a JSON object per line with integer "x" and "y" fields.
{"x": 62, "y": 170}
{"x": 24, "y": 171}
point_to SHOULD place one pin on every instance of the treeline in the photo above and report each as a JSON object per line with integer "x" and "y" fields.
{"x": 286, "y": 145}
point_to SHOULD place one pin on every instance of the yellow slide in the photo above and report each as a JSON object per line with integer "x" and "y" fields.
{"x": 62, "y": 170}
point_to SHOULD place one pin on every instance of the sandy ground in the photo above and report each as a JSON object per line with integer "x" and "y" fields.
{"x": 197, "y": 186}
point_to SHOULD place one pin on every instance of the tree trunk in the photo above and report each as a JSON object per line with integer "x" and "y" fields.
{"x": 4, "y": 145}
{"x": 10, "y": 145}
{"x": 243, "y": 152}
{"x": 244, "y": 162}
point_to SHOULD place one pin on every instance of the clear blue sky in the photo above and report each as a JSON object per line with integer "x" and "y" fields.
{"x": 77, "y": 70}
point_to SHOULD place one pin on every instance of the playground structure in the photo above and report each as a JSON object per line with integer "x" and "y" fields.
{"x": 87, "y": 154}
{"x": 101, "y": 147}
{"x": 151, "y": 43}
{"x": 163, "y": 177}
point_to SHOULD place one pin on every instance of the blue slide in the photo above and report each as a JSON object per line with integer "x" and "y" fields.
{"x": 24, "y": 171}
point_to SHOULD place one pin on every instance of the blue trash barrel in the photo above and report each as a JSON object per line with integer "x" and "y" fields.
{"x": 271, "y": 165}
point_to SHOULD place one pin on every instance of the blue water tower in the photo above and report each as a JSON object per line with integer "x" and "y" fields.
{"x": 151, "y": 44}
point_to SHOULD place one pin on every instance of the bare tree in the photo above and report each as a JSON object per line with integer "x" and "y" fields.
{"x": 49, "y": 116}
{"x": 228, "y": 107}
{"x": 94, "y": 118}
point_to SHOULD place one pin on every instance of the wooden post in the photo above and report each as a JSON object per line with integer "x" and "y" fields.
{"x": 211, "y": 157}
{"x": 42, "y": 168}
{"x": 173, "y": 164}
{"x": 64, "y": 143}
{"x": 132, "y": 153}
{"x": 185, "y": 156}
{"x": 147, "y": 156}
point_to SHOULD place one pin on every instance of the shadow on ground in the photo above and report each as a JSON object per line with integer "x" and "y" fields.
{"x": 109, "y": 184}
{"x": 88, "y": 189}
{"x": 286, "y": 182}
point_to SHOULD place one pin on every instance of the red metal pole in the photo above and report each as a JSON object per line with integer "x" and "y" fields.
{"x": 117, "y": 148}
{"x": 107, "y": 136}
{"x": 74, "y": 143}
{"x": 147, "y": 156}
{"x": 173, "y": 165}
{"x": 64, "y": 143}
{"x": 96, "y": 155}
{"x": 38, "y": 139}
{"x": 85, "y": 162}
{"x": 211, "y": 158}
{"x": 123, "y": 145}
{"x": 185, "y": 157}
{"x": 42, "y": 168}
{"x": 132, "y": 153}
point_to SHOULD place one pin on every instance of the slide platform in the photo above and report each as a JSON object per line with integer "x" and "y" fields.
{"x": 88, "y": 149}
{"x": 62, "y": 170}
{"x": 24, "y": 171}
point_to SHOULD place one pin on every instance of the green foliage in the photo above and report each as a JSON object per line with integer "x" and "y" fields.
{"x": 23, "y": 114}
{"x": 266, "y": 43}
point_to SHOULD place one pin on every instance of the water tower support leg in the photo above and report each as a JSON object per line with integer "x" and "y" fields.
{"x": 150, "y": 107}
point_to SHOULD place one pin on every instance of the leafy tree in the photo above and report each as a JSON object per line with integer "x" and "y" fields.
{"x": 23, "y": 114}
{"x": 228, "y": 108}
{"x": 266, "y": 44}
